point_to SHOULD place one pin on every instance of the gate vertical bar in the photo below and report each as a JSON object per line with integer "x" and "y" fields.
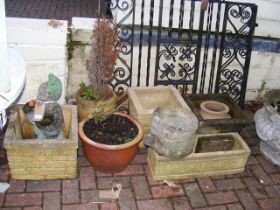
{"x": 199, "y": 42}
{"x": 221, "y": 51}
{"x": 206, "y": 46}
{"x": 141, "y": 43}
{"x": 217, "y": 28}
{"x": 158, "y": 40}
{"x": 181, "y": 18}
{"x": 150, "y": 41}
{"x": 170, "y": 25}
{"x": 190, "y": 35}
{"x": 132, "y": 41}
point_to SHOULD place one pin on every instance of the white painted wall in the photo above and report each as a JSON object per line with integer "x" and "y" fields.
{"x": 43, "y": 48}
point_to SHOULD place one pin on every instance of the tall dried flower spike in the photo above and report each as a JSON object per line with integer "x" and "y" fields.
{"x": 104, "y": 52}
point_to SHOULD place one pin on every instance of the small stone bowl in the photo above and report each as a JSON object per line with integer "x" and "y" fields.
{"x": 214, "y": 110}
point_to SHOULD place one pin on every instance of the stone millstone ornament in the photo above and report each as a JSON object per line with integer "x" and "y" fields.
{"x": 172, "y": 132}
{"x": 267, "y": 121}
{"x": 44, "y": 113}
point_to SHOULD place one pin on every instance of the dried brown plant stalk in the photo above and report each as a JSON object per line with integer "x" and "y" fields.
{"x": 104, "y": 52}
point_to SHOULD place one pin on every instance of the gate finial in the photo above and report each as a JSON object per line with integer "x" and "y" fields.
{"x": 204, "y": 5}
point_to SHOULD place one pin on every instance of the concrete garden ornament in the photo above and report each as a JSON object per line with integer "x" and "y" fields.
{"x": 41, "y": 139}
{"x": 267, "y": 121}
{"x": 44, "y": 113}
{"x": 172, "y": 132}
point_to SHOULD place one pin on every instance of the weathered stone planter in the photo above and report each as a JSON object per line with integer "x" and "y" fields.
{"x": 87, "y": 107}
{"x": 201, "y": 164}
{"x": 144, "y": 100}
{"x": 31, "y": 158}
{"x": 235, "y": 123}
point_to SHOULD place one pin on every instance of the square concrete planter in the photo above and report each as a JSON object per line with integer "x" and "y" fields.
{"x": 30, "y": 158}
{"x": 201, "y": 164}
{"x": 142, "y": 101}
{"x": 233, "y": 124}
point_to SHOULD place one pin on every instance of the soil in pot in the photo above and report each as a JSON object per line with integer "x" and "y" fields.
{"x": 114, "y": 130}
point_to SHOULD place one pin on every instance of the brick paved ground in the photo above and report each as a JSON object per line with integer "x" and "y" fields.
{"x": 257, "y": 188}
{"x": 53, "y": 9}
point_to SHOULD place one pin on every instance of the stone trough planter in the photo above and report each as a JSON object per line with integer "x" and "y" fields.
{"x": 235, "y": 123}
{"x": 30, "y": 158}
{"x": 144, "y": 100}
{"x": 199, "y": 164}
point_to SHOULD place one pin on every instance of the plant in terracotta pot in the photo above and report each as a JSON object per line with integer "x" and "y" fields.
{"x": 110, "y": 140}
{"x": 103, "y": 55}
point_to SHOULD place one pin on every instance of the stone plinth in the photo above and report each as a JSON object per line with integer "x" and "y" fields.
{"x": 31, "y": 158}
{"x": 235, "y": 123}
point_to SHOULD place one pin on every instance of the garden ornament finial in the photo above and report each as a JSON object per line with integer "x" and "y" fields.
{"x": 50, "y": 90}
{"x": 45, "y": 113}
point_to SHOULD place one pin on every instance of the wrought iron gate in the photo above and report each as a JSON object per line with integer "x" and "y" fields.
{"x": 197, "y": 46}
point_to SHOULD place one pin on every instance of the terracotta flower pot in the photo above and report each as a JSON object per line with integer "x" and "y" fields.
{"x": 87, "y": 107}
{"x": 110, "y": 158}
{"x": 213, "y": 110}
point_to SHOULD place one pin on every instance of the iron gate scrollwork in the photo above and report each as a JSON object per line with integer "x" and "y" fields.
{"x": 236, "y": 46}
{"x": 123, "y": 71}
{"x": 196, "y": 48}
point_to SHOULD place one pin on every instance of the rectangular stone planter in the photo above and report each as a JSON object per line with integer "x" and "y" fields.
{"x": 233, "y": 124}
{"x": 142, "y": 101}
{"x": 30, "y": 158}
{"x": 201, "y": 164}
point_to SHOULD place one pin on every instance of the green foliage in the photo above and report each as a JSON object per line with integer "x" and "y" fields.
{"x": 88, "y": 92}
{"x": 100, "y": 116}
{"x": 71, "y": 45}
{"x": 83, "y": 85}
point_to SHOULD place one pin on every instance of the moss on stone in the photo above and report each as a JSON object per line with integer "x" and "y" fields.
{"x": 71, "y": 45}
